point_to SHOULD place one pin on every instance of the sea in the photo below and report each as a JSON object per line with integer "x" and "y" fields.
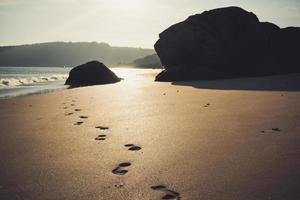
{"x": 20, "y": 81}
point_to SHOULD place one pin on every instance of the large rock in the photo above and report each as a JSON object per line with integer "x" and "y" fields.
{"x": 226, "y": 42}
{"x": 91, "y": 73}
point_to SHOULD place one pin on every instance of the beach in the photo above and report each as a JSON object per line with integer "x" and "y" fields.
{"x": 226, "y": 139}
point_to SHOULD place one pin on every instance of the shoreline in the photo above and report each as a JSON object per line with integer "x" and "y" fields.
{"x": 234, "y": 81}
{"x": 33, "y": 87}
{"x": 23, "y": 92}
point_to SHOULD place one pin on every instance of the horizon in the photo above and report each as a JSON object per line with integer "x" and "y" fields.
{"x": 66, "y": 42}
{"x": 132, "y": 23}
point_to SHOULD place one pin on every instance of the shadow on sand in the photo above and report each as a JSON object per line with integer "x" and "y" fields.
{"x": 289, "y": 82}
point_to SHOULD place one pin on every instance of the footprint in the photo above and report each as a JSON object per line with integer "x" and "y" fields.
{"x": 119, "y": 186}
{"x": 78, "y": 123}
{"x": 83, "y": 117}
{"x": 158, "y": 187}
{"x": 68, "y": 114}
{"x": 100, "y": 137}
{"x": 119, "y": 170}
{"x": 129, "y": 145}
{"x": 276, "y": 129}
{"x": 206, "y": 105}
{"x": 72, "y": 104}
{"x": 169, "y": 194}
{"x": 273, "y": 129}
{"x": 77, "y": 109}
{"x": 102, "y": 127}
{"x": 133, "y": 147}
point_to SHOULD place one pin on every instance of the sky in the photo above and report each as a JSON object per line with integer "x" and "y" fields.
{"x": 132, "y": 23}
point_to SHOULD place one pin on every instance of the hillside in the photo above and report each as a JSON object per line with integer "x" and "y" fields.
{"x": 150, "y": 61}
{"x": 68, "y": 54}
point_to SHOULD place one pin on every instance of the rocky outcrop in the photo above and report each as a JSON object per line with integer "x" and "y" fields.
{"x": 226, "y": 42}
{"x": 91, "y": 73}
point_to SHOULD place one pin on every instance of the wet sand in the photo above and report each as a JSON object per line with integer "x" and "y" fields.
{"x": 143, "y": 140}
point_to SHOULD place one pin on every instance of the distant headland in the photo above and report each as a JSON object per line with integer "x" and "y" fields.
{"x": 69, "y": 54}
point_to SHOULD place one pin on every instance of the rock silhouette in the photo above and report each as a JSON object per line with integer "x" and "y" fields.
{"x": 226, "y": 42}
{"x": 91, "y": 73}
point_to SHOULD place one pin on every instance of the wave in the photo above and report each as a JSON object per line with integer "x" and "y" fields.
{"x": 19, "y": 81}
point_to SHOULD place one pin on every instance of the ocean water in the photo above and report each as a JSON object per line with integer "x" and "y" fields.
{"x": 18, "y": 81}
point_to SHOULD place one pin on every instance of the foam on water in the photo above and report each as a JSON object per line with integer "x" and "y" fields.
{"x": 16, "y": 81}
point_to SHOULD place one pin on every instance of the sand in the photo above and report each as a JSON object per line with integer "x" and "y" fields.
{"x": 138, "y": 139}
